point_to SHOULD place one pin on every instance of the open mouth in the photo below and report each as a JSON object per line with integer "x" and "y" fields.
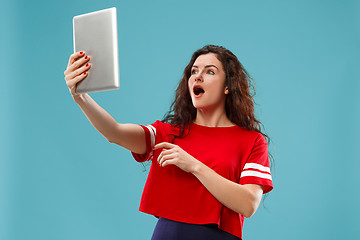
{"x": 198, "y": 91}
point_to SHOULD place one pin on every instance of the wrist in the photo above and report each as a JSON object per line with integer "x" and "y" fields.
{"x": 78, "y": 98}
{"x": 197, "y": 168}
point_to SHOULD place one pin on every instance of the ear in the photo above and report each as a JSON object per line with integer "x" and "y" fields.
{"x": 226, "y": 90}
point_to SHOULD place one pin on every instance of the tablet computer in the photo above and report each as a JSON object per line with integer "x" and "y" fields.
{"x": 96, "y": 34}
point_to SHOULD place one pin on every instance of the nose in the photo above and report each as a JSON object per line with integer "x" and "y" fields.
{"x": 198, "y": 77}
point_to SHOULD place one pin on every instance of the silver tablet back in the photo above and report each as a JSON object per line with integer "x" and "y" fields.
{"x": 96, "y": 34}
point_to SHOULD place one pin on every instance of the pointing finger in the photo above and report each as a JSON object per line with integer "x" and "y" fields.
{"x": 164, "y": 145}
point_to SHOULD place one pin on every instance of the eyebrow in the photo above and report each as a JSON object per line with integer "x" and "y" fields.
{"x": 207, "y": 66}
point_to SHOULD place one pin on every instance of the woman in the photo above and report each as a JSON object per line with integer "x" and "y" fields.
{"x": 210, "y": 159}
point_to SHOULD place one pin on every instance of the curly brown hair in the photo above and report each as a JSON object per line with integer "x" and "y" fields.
{"x": 239, "y": 103}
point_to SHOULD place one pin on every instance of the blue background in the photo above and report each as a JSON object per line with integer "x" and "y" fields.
{"x": 60, "y": 179}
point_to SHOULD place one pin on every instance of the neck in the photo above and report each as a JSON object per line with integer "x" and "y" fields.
{"x": 212, "y": 118}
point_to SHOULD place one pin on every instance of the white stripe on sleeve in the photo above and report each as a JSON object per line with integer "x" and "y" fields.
{"x": 152, "y": 131}
{"x": 257, "y": 167}
{"x": 250, "y": 173}
{"x": 153, "y": 128}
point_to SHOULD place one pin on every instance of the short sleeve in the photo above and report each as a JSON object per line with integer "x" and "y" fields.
{"x": 154, "y": 133}
{"x": 150, "y": 136}
{"x": 257, "y": 168}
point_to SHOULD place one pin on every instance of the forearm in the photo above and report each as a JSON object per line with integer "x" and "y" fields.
{"x": 243, "y": 199}
{"x": 129, "y": 136}
{"x": 97, "y": 116}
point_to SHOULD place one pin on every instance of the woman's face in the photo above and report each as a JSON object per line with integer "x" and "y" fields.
{"x": 207, "y": 82}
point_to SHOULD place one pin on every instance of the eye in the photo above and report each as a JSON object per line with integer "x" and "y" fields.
{"x": 193, "y": 71}
{"x": 211, "y": 72}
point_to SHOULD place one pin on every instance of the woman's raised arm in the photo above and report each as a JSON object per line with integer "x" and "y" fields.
{"x": 129, "y": 136}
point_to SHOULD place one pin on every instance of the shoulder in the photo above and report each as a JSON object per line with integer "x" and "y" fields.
{"x": 249, "y": 135}
{"x": 160, "y": 127}
{"x": 249, "y": 139}
{"x": 159, "y": 124}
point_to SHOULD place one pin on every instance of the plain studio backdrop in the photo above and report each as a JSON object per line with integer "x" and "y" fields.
{"x": 61, "y": 180}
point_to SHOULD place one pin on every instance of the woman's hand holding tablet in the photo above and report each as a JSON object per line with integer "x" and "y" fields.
{"x": 76, "y": 71}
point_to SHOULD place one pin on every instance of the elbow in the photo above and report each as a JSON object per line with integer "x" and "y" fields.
{"x": 251, "y": 203}
{"x": 249, "y": 210}
{"x": 110, "y": 140}
{"x": 250, "y": 207}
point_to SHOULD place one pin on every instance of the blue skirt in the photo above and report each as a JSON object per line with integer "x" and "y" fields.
{"x": 166, "y": 229}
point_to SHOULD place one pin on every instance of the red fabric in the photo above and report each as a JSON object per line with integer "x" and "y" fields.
{"x": 232, "y": 152}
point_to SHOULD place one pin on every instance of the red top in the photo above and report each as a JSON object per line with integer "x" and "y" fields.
{"x": 235, "y": 153}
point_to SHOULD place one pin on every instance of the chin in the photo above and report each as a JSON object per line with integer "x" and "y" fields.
{"x": 202, "y": 103}
{"x": 199, "y": 106}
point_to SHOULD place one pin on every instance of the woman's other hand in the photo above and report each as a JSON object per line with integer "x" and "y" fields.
{"x": 76, "y": 71}
{"x": 173, "y": 154}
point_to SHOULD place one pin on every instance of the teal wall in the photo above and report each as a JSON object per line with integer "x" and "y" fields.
{"x": 61, "y": 180}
